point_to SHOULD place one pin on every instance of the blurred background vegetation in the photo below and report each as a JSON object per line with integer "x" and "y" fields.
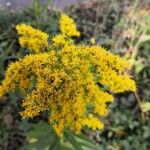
{"x": 123, "y": 27}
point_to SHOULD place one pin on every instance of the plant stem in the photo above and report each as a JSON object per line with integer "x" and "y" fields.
{"x": 139, "y": 103}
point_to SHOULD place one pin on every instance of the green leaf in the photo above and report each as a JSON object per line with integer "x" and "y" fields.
{"x": 40, "y": 136}
{"x": 139, "y": 68}
{"x": 71, "y": 138}
{"x": 55, "y": 144}
{"x": 81, "y": 142}
{"x": 86, "y": 142}
{"x": 145, "y": 106}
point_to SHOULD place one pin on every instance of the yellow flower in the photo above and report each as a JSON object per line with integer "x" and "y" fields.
{"x": 66, "y": 81}
{"x": 68, "y": 27}
{"x": 34, "y": 39}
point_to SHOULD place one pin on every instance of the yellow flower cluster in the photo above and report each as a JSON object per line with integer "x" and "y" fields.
{"x": 68, "y": 29}
{"x": 73, "y": 83}
{"x": 31, "y": 38}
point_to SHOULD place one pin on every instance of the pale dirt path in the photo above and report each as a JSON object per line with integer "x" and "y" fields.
{"x": 17, "y": 4}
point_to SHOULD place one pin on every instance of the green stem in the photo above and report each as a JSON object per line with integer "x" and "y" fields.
{"x": 139, "y": 103}
{"x": 37, "y": 10}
